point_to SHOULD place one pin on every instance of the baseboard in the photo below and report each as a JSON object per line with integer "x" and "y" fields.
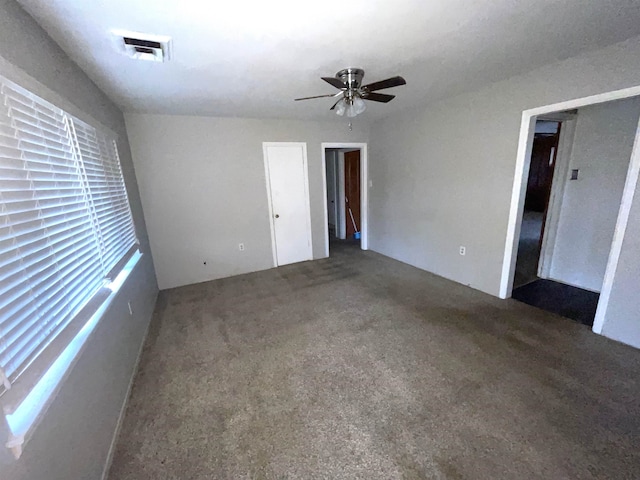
{"x": 125, "y": 403}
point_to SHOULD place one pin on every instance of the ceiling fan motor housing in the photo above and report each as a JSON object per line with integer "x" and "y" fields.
{"x": 351, "y": 77}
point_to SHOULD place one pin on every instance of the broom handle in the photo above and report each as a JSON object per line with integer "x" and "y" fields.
{"x": 355, "y": 227}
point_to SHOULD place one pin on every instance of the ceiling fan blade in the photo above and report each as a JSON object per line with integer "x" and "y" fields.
{"x": 388, "y": 83}
{"x": 378, "y": 97}
{"x": 336, "y": 82}
{"x": 317, "y": 96}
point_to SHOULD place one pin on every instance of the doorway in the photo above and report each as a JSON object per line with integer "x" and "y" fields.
{"x": 345, "y": 167}
{"x": 568, "y": 225}
{"x": 534, "y": 284}
{"x": 543, "y": 161}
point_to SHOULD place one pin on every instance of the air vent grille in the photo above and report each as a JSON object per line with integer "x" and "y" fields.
{"x": 139, "y": 46}
{"x": 136, "y": 42}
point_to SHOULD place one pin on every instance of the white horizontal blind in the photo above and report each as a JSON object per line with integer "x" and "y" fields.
{"x": 65, "y": 222}
{"x": 108, "y": 193}
{"x": 49, "y": 262}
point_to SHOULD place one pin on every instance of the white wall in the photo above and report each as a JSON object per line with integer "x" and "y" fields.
{"x": 622, "y": 317}
{"x": 443, "y": 174}
{"x": 73, "y": 439}
{"x": 601, "y": 151}
{"x": 202, "y": 183}
{"x": 544, "y": 126}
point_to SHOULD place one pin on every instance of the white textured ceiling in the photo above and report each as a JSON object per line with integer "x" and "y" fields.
{"x": 252, "y": 58}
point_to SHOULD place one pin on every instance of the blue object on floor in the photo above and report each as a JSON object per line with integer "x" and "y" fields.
{"x": 356, "y": 235}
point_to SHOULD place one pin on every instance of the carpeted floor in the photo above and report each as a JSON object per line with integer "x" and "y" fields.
{"x": 359, "y": 366}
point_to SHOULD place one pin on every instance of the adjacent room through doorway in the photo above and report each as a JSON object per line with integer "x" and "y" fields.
{"x": 344, "y": 197}
{"x": 543, "y": 161}
{"x": 577, "y": 173}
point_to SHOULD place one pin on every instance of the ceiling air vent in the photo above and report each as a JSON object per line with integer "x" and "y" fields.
{"x": 139, "y": 46}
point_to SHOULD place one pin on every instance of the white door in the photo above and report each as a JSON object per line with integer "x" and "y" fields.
{"x": 288, "y": 191}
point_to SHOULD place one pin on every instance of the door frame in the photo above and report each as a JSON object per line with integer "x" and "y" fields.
{"x": 558, "y": 184}
{"x": 305, "y": 169}
{"x": 364, "y": 191}
{"x": 525, "y": 143}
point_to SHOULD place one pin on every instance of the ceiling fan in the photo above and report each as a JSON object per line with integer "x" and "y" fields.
{"x": 352, "y": 93}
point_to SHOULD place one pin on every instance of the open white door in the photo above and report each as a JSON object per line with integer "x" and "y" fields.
{"x": 289, "y": 208}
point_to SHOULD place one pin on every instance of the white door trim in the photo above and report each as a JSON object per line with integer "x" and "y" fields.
{"x": 523, "y": 158}
{"x": 618, "y": 235}
{"x": 305, "y": 169}
{"x": 364, "y": 192}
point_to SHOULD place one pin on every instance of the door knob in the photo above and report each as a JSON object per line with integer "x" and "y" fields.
{"x": 277, "y": 216}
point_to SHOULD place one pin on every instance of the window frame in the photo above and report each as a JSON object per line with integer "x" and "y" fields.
{"x": 31, "y": 392}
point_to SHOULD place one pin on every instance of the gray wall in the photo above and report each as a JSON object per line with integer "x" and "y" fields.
{"x": 601, "y": 151}
{"x": 73, "y": 439}
{"x": 622, "y": 318}
{"x": 443, "y": 175}
{"x": 202, "y": 182}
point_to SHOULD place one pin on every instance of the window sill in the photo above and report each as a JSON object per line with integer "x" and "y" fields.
{"x": 23, "y": 419}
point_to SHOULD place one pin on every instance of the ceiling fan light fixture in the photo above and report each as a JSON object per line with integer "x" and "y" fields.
{"x": 353, "y": 93}
{"x": 358, "y": 105}
{"x": 351, "y": 106}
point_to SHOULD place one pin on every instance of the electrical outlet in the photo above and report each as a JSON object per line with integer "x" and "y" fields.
{"x": 463, "y": 250}
{"x": 241, "y": 247}
{"x": 130, "y": 309}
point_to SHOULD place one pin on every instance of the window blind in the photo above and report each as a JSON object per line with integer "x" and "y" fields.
{"x": 64, "y": 222}
{"x": 108, "y": 194}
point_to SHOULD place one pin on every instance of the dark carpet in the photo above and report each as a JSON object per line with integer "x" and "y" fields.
{"x": 361, "y": 367}
{"x": 565, "y": 300}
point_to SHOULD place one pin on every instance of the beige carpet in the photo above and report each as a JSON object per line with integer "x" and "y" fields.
{"x": 359, "y": 366}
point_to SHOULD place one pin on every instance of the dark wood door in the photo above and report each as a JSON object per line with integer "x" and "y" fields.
{"x": 352, "y": 191}
{"x": 543, "y": 162}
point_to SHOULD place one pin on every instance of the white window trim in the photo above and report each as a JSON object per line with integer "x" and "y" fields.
{"x": 20, "y": 77}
